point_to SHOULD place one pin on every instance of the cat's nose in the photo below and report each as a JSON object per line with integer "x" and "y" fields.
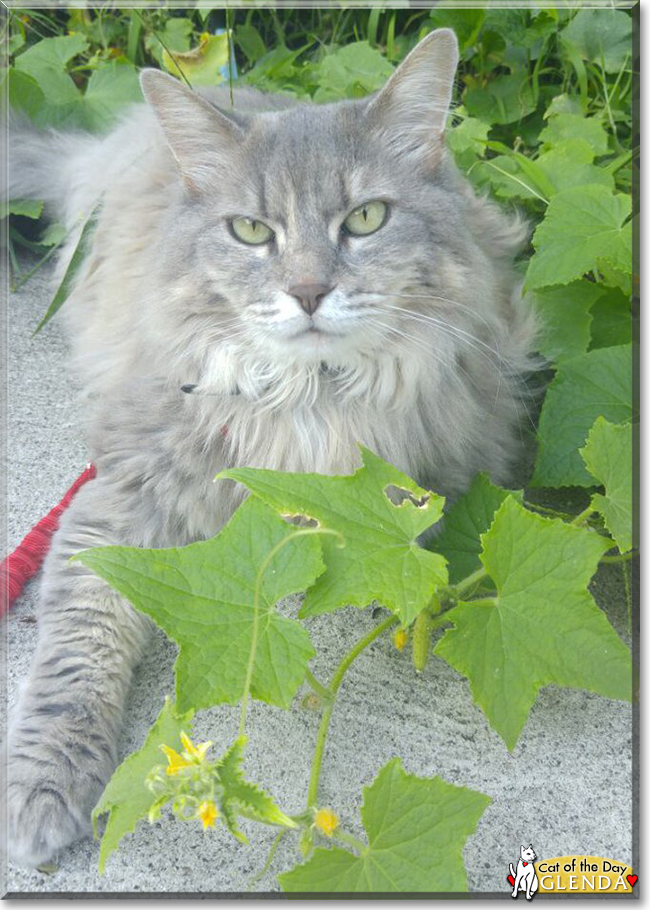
{"x": 310, "y": 296}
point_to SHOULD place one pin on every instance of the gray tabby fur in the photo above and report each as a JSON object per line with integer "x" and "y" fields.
{"x": 422, "y": 362}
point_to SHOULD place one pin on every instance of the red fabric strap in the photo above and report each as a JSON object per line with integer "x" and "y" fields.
{"x": 25, "y": 561}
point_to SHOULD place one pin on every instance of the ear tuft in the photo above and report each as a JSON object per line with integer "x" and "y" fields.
{"x": 200, "y": 137}
{"x": 412, "y": 108}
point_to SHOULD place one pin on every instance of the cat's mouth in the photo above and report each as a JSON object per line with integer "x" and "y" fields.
{"x": 314, "y": 331}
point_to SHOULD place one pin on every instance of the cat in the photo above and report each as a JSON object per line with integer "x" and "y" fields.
{"x": 268, "y": 284}
{"x": 525, "y": 879}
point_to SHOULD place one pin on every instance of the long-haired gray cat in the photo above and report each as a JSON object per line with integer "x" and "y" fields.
{"x": 268, "y": 285}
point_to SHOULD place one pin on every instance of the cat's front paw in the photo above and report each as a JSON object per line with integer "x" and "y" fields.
{"x": 47, "y": 808}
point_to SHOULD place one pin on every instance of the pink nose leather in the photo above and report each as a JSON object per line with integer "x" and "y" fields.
{"x": 310, "y": 296}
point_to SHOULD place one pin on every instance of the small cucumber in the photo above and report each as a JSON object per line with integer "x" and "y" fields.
{"x": 421, "y": 640}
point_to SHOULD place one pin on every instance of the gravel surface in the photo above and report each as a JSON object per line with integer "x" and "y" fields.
{"x": 566, "y": 787}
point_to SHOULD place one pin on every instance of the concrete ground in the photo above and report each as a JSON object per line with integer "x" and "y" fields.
{"x": 566, "y": 787}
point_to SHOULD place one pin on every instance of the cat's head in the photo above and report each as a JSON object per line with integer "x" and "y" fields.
{"x": 528, "y": 854}
{"x": 323, "y": 233}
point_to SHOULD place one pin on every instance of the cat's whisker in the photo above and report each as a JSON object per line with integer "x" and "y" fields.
{"x": 499, "y": 371}
{"x": 448, "y": 368}
{"x": 415, "y": 342}
{"x": 454, "y": 303}
{"x": 455, "y": 331}
{"x": 448, "y": 330}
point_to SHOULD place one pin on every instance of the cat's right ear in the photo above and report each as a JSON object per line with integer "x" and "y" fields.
{"x": 201, "y": 138}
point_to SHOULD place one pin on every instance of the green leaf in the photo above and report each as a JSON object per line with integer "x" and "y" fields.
{"x": 250, "y": 41}
{"x": 505, "y": 99}
{"x": 617, "y": 278}
{"x": 45, "y": 62}
{"x": 53, "y": 235}
{"x": 602, "y": 35}
{"x": 416, "y": 830}
{"x": 28, "y": 208}
{"x": 351, "y": 72}
{"x": 381, "y": 559}
{"x": 14, "y": 43}
{"x": 542, "y": 627}
{"x": 126, "y": 799}
{"x": 508, "y": 180}
{"x": 565, "y": 318}
{"x": 238, "y": 793}
{"x": 203, "y": 596}
{"x": 611, "y": 320}
{"x": 24, "y": 93}
{"x": 582, "y": 227}
{"x": 585, "y": 387}
{"x": 275, "y": 70}
{"x": 568, "y": 165}
{"x": 469, "y": 517}
{"x": 466, "y": 23}
{"x": 565, "y": 125}
{"x": 51, "y": 52}
{"x": 78, "y": 257}
{"x": 467, "y": 141}
{"x": 109, "y": 90}
{"x": 608, "y": 456}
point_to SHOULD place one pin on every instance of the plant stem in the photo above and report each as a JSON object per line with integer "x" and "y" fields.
{"x": 620, "y": 557}
{"x": 628, "y": 599}
{"x": 305, "y": 532}
{"x": 27, "y": 275}
{"x": 317, "y": 686}
{"x": 351, "y": 841}
{"x": 269, "y": 859}
{"x": 565, "y": 516}
{"x": 350, "y": 657}
{"x": 582, "y": 517}
{"x": 467, "y": 583}
{"x": 483, "y": 602}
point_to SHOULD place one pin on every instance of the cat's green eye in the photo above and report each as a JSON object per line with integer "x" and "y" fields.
{"x": 367, "y": 219}
{"x": 250, "y": 231}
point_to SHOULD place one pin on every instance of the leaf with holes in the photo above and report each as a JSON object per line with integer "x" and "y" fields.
{"x": 542, "y": 627}
{"x": 608, "y": 457}
{"x": 203, "y": 596}
{"x": 416, "y": 830}
{"x": 381, "y": 559}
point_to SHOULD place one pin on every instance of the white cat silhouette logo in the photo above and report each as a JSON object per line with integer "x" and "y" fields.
{"x": 525, "y": 878}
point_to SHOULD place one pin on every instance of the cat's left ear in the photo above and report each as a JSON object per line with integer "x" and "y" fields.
{"x": 411, "y": 109}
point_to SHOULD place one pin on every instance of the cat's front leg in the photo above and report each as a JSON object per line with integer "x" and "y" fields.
{"x": 62, "y": 741}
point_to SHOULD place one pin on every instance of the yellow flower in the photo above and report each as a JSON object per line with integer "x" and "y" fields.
{"x": 400, "y": 638}
{"x": 192, "y": 751}
{"x": 326, "y": 821}
{"x": 192, "y": 755}
{"x": 208, "y": 813}
{"x": 176, "y": 761}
